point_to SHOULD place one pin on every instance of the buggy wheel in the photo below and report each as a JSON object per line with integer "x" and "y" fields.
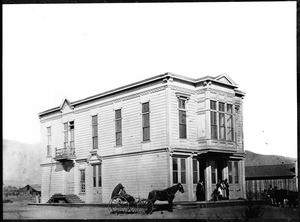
{"x": 119, "y": 205}
{"x": 144, "y": 206}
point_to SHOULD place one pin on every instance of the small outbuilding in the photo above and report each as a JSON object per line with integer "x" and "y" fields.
{"x": 33, "y": 190}
{"x": 259, "y": 178}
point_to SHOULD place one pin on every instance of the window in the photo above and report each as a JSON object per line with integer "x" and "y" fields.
{"x": 213, "y": 172}
{"x": 179, "y": 170}
{"x": 66, "y": 137}
{"x": 233, "y": 172}
{"x": 69, "y": 132}
{"x": 195, "y": 171}
{"x": 95, "y": 131}
{"x": 229, "y": 123}
{"x": 182, "y": 118}
{"x": 230, "y": 172}
{"x": 82, "y": 181}
{"x": 71, "y": 126}
{"x": 221, "y": 118}
{"x": 175, "y": 170}
{"x": 213, "y": 119}
{"x": 94, "y": 176}
{"x": 183, "y": 171}
{"x": 99, "y": 176}
{"x": 118, "y": 122}
{"x": 236, "y": 172}
{"x": 222, "y": 121}
{"x": 146, "y": 121}
{"x": 49, "y": 141}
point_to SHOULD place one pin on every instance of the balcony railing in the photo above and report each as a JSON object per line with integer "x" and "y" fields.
{"x": 65, "y": 153}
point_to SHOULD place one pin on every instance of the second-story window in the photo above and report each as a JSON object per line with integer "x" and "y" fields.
{"x": 118, "y": 122}
{"x": 222, "y": 121}
{"x": 66, "y": 135}
{"x": 146, "y": 121}
{"x": 69, "y": 133}
{"x": 95, "y": 131}
{"x": 49, "y": 141}
{"x": 213, "y": 120}
{"x": 229, "y": 123}
{"x": 72, "y": 140}
{"x": 182, "y": 118}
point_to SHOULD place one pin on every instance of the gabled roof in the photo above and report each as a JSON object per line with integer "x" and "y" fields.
{"x": 270, "y": 171}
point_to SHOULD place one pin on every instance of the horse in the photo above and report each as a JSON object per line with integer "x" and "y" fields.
{"x": 167, "y": 194}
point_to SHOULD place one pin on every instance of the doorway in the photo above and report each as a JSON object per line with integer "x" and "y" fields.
{"x": 97, "y": 184}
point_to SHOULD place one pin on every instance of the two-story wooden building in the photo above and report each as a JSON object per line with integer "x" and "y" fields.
{"x": 147, "y": 135}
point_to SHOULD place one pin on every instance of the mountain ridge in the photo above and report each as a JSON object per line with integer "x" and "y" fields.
{"x": 21, "y": 162}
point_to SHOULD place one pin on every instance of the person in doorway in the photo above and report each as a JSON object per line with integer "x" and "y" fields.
{"x": 223, "y": 189}
{"x": 219, "y": 190}
{"x": 200, "y": 193}
{"x": 226, "y": 188}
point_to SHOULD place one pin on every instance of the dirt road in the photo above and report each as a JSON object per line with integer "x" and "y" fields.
{"x": 25, "y": 211}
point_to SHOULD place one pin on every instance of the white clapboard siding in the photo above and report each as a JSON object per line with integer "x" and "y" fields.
{"x": 56, "y": 137}
{"x": 106, "y": 130}
{"x": 139, "y": 174}
{"x": 190, "y": 142}
{"x": 131, "y": 125}
{"x": 53, "y": 182}
{"x": 83, "y": 138}
{"x": 158, "y": 120}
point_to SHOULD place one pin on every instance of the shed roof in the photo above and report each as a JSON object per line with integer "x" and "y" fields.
{"x": 270, "y": 171}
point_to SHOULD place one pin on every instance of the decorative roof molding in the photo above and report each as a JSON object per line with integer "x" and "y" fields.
{"x": 65, "y": 101}
{"x": 94, "y": 158}
{"x": 180, "y": 95}
{"x": 168, "y": 77}
{"x": 224, "y": 78}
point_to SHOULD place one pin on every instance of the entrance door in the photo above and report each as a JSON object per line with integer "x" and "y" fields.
{"x": 234, "y": 180}
{"x": 70, "y": 179}
{"x": 97, "y": 184}
{"x": 198, "y": 174}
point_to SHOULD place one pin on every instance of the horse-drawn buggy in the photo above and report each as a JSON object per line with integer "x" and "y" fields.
{"x": 121, "y": 202}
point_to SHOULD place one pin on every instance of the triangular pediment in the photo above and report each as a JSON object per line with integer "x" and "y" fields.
{"x": 66, "y": 106}
{"x": 94, "y": 158}
{"x": 224, "y": 78}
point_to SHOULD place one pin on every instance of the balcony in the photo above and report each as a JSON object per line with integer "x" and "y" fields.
{"x": 67, "y": 153}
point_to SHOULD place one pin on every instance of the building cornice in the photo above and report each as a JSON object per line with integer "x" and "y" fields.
{"x": 161, "y": 77}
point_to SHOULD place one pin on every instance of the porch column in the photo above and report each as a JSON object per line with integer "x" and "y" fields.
{"x": 207, "y": 175}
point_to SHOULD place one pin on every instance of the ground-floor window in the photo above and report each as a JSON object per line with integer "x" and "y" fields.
{"x": 195, "y": 171}
{"x": 82, "y": 181}
{"x": 179, "y": 170}
{"x": 233, "y": 172}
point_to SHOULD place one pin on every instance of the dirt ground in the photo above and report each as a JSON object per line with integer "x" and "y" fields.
{"x": 23, "y": 211}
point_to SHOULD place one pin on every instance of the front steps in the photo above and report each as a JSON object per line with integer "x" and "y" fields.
{"x": 68, "y": 198}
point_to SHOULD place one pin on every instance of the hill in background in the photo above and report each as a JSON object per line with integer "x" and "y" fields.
{"x": 255, "y": 159}
{"x": 21, "y": 163}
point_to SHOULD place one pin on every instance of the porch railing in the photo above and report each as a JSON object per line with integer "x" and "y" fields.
{"x": 65, "y": 153}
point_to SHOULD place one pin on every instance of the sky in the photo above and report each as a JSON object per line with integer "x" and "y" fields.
{"x": 53, "y": 51}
